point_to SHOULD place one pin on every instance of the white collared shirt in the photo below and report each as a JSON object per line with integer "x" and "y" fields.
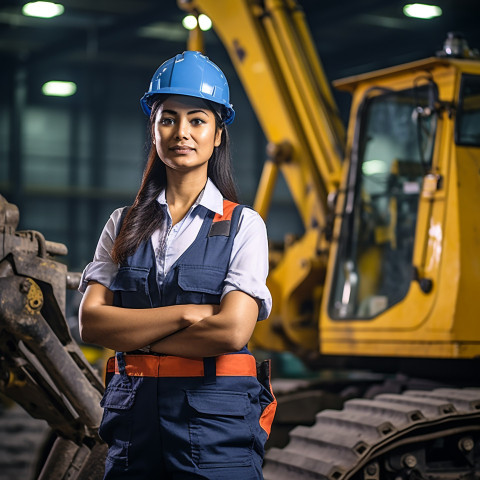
{"x": 248, "y": 267}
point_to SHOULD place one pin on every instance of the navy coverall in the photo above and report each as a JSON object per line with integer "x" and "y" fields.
{"x": 169, "y": 417}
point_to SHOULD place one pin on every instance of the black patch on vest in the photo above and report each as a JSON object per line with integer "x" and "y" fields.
{"x": 220, "y": 228}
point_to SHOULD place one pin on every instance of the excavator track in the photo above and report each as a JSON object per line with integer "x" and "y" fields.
{"x": 416, "y": 435}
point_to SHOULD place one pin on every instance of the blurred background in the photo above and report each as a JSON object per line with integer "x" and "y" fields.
{"x": 69, "y": 161}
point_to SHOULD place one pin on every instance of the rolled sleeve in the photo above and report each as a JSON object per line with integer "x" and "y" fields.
{"x": 103, "y": 269}
{"x": 248, "y": 267}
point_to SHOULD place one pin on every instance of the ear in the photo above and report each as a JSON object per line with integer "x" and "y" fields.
{"x": 218, "y": 137}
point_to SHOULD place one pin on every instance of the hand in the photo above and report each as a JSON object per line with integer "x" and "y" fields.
{"x": 196, "y": 313}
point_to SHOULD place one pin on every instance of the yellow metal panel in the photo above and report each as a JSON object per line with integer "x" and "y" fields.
{"x": 410, "y": 349}
{"x": 390, "y": 74}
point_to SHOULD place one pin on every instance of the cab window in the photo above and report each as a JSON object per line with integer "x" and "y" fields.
{"x": 374, "y": 261}
{"x": 467, "y": 131}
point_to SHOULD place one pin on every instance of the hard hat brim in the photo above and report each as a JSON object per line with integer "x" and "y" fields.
{"x": 227, "y": 118}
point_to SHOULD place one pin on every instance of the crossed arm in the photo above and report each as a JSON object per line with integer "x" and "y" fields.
{"x": 182, "y": 330}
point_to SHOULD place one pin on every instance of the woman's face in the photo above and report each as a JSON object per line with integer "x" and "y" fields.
{"x": 185, "y": 133}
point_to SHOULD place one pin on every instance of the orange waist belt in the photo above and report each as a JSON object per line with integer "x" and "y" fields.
{"x": 237, "y": 364}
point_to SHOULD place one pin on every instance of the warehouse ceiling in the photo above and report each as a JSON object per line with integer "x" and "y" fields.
{"x": 351, "y": 36}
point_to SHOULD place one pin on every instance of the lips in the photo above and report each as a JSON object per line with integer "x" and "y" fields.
{"x": 182, "y": 149}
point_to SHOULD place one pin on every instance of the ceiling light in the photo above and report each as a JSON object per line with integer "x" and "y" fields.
{"x": 57, "y": 88}
{"x": 420, "y": 10}
{"x": 189, "y": 22}
{"x": 42, "y": 9}
{"x": 204, "y": 22}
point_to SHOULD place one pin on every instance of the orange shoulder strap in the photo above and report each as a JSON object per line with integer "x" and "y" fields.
{"x": 228, "y": 208}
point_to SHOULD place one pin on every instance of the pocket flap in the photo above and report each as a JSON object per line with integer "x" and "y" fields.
{"x": 130, "y": 279}
{"x": 118, "y": 397}
{"x": 198, "y": 278}
{"x": 219, "y": 403}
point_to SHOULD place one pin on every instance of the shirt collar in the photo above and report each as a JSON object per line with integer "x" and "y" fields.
{"x": 210, "y": 197}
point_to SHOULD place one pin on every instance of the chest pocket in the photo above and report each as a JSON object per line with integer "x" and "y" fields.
{"x": 130, "y": 287}
{"x": 200, "y": 284}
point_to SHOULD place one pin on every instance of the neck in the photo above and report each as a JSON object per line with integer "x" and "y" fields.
{"x": 181, "y": 193}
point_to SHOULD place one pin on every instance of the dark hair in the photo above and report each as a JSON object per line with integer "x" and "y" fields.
{"x": 145, "y": 215}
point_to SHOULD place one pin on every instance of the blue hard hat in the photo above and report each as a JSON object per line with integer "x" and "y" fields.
{"x": 194, "y": 75}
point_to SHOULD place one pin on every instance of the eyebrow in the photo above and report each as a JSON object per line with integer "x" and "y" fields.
{"x": 174, "y": 112}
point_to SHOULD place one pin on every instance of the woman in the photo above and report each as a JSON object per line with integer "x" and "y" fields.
{"x": 175, "y": 288}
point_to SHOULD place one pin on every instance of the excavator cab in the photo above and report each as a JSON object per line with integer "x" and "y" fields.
{"x": 402, "y": 269}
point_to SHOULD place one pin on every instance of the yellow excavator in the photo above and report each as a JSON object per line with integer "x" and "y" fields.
{"x": 386, "y": 273}
{"x": 382, "y": 280}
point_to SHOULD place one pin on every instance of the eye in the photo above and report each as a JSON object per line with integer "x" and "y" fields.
{"x": 197, "y": 121}
{"x": 167, "y": 121}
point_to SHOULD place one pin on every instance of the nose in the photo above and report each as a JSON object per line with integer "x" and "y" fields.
{"x": 183, "y": 128}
